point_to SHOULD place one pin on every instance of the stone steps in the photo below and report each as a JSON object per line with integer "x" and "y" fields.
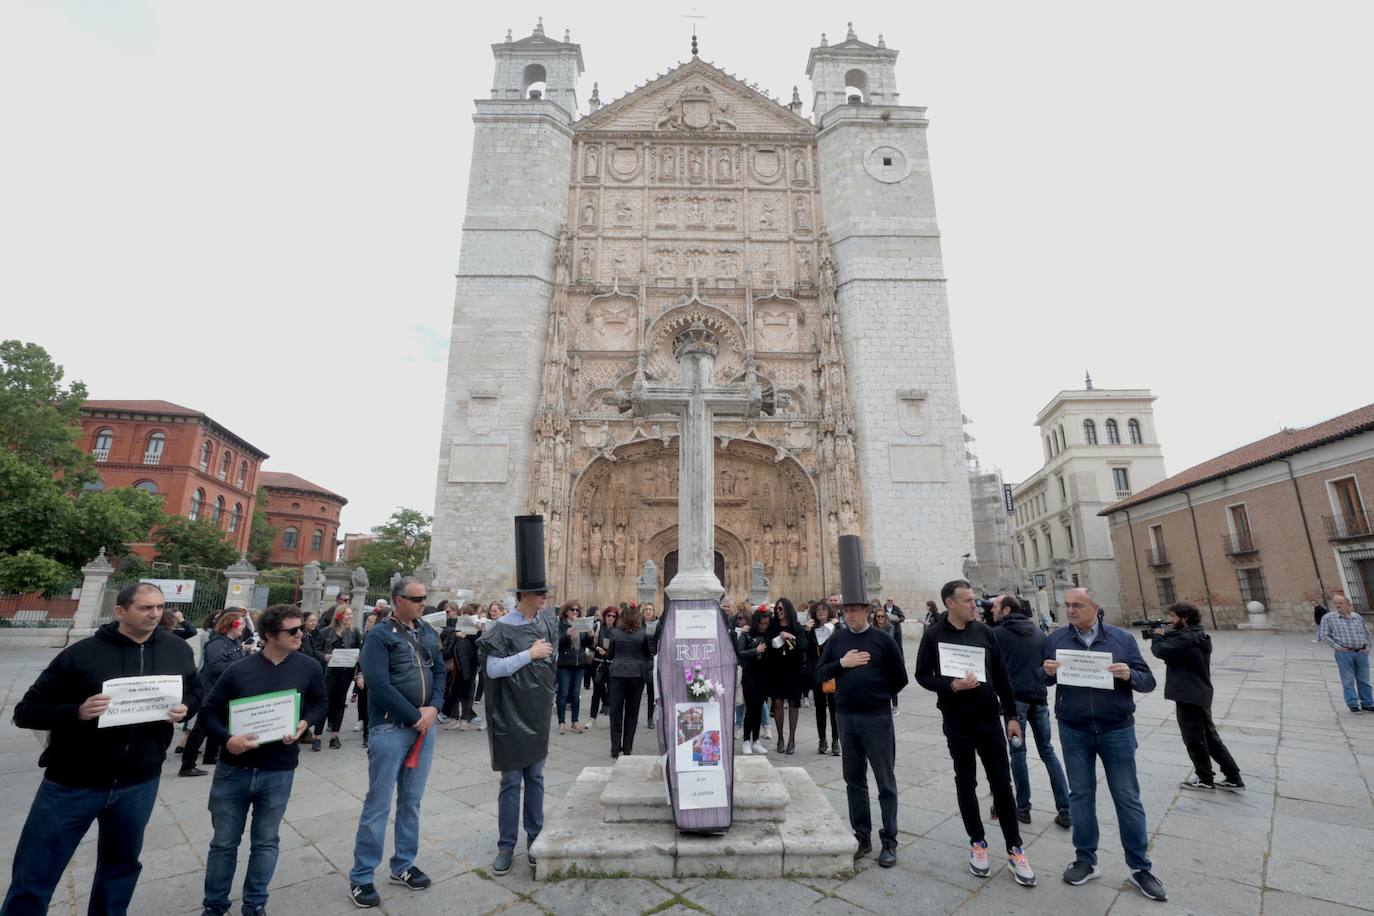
{"x": 635, "y": 792}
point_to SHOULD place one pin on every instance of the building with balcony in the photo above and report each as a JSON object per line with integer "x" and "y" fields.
{"x": 199, "y": 468}
{"x": 306, "y": 518}
{"x": 1100, "y": 446}
{"x": 1282, "y": 521}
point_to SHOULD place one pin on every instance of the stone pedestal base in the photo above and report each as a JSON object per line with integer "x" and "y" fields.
{"x": 1258, "y": 621}
{"x": 616, "y": 822}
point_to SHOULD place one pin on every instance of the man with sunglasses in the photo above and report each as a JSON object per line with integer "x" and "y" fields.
{"x": 256, "y": 771}
{"x": 403, "y": 667}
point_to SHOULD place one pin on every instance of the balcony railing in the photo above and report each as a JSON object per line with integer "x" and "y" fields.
{"x": 1123, "y": 494}
{"x": 1240, "y": 544}
{"x": 1157, "y": 556}
{"x": 1347, "y": 526}
{"x": 101, "y": 454}
{"x": 152, "y": 457}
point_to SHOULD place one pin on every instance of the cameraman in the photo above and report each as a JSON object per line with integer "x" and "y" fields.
{"x": 1187, "y": 652}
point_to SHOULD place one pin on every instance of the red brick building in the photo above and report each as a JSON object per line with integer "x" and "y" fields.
{"x": 306, "y": 517}
{"x": 1283, "y": 521}
{"x": 198, "y": 467}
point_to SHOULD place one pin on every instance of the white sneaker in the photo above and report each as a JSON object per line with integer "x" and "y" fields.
{"x": 478, "y": 723}
{"x": 747, "y": 748}
{"x": 759, "y": 748}
{"x": 1020, "y": 868}
{"x": 357, "y": 726}
{"x": 766, "y": 734}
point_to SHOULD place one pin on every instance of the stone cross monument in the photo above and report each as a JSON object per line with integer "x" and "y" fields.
{"x": 696, "y": 732}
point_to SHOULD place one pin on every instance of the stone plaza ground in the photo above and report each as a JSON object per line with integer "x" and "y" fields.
{"x": 1295, "y": 842}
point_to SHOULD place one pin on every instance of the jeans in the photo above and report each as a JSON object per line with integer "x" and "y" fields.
{"x": 970, "y": 740}
{"x": 1354, "y": 669}
{"x": 1037, "y": 716}
{"x": 1117, "y": 750}
{"x": 1202, "y": 742}
{"x": 568, "y": 681}
{"x": 625, "y": 694}
{"x": 58, "y": 819}
{"x": 387, "y": 749}
{"x": 231, "y": 794}
{"x": 867, "y": 739}
{"x": 508, "y": 805}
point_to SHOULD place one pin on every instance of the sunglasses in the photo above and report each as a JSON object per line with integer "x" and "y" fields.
{"x": 418, "y": 599}
{"x": 293, "y": 631}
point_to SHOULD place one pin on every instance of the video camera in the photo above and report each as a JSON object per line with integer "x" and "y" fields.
{"x": 1148, "y": 626}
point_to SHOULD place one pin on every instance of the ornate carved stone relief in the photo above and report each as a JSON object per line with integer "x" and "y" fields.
{"x": 696, "y": 109}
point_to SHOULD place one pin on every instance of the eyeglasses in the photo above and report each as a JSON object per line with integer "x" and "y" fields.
{"x": 293, "y": 631}
{"x": 418, "y": 599}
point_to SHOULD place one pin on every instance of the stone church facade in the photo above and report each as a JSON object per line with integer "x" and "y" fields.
{"x": 808, "y": 247}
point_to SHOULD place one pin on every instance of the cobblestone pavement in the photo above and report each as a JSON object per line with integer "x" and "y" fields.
{"x": 1293, "y": 843}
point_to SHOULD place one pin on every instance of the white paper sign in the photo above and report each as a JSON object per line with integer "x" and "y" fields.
{"x": 957, "y": 661}
{"x": 468, "y": 624}
{"x": 695, "y": 623}
{"x": 175, "y": 591}
{"x": 436, "y": 619}
{"x": 1079, "y": 668}
{"x": 343, "y": 658}
{"x": 139, "y": 699}
{"x": 270, "y": 716}
{"x": 701, "y": 789}
{"x": 579, "y": 624}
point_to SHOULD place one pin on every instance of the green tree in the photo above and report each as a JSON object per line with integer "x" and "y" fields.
{"x": 39, "y": 417}
{"x": 27, "y": 571}
{"x": 390, "y": 553}
{"x": 35, "y": 512}
{"x": 112, "y": 519}
{"x": 182, "y": 542}
{"x": 262, "y": 535}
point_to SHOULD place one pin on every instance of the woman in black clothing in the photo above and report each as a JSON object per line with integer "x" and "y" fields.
{"x": 787, "y": 642}
{"x": 752, "y": 648}
{"x": 883, "y": 621}
{"x": 572, "y": 655}
{"x": 460, "y": 651}
{"x": 648, "y": 614}
{"x": 626, "y": 646}
{"x": 820, "y": 631}
{"x": 223, "y": 649}
{"x": 601, "y": 681}
{"x": 340, "y": 635}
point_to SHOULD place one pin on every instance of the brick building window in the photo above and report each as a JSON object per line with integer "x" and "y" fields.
{"x": 243, "y": 473}
{"x": 235, "y": 517}
{"x": 224, "y": 461}
{"x": 1165, "y": 587}
{"x": 1252, "y": 585}
{"x": 1113, "y": 434}
{"x": 290, "y": 538}
{"x": 205, "y": 450}
{"x": 197, "y": 500}
{"x": 219, "y": 511}
{"x": 1133, "y": 431}
{"x": 152, "y": 452}
{"x": 316, "y": 541}
{"x": 1089, "y": 432}
{"x": 103, "y": 440}
{"x": 1357, "y": 568}
{"x": 146, "y": 486}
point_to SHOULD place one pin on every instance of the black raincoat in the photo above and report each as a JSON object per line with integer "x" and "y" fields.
{"x": 519, "y": 705}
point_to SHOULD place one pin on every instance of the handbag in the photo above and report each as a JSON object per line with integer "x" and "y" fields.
{"x": 601, "y": 675}
{"x": 828, "y": 686}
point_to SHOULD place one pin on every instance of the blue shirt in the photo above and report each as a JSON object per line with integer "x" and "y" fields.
{"x": 1085, "y": 638}
{"x": 505, "y": 667}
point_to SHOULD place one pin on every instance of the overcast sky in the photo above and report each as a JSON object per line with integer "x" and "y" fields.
{"x": 253, "y": 209}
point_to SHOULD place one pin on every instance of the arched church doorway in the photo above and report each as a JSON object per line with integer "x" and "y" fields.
{"x": 670, "y": 571}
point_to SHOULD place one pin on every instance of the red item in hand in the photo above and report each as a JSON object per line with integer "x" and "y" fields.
{"x": 413, "y": 758}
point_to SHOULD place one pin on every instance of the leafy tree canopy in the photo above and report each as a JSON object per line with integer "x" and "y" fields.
{"x": 389, "y": 553}
{"x": 27, "y": 571}
{"x": 39, "y": 416}
{"x": 182, "y": 542}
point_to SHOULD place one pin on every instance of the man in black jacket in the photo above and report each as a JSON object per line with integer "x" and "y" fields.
{"x": 1187, "y": 654}
{"x": 1022, "y": 644}
{"x": 110, "y": 774}
{"x": 973, "y": 722}
{"x": 868, "y": 674}
{"x": 256, "y": 771}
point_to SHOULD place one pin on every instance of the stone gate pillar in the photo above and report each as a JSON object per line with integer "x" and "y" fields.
{"x": 95, "y": 575}
{"x": 242, "y": 579}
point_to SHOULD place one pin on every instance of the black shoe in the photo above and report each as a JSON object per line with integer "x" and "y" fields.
{"x": 335, "y": 743}
{"x": 251, "y": 910}
{"x": 192, "y": 771}
{"x": 1023, "y": 815}
{"x": 992, "y": 813}
{"x": 211, "y": 911}
{"x": 1063, "y": 818}
{"x": 824, "y": 748}
{"x": 865, "y": 847}
{"x": 316, "y": 745}
{"x": 1148, "y": 885}
{"x": 888, "y": 857}
{"x": 782, "y": 746}
{"x": 412, "y": 878}
{"x": 1080, "y": 873}
{"x": 1355, "y": 709}
{"x": 835, "y": 749}
{"x": 1367, "y": 709}
{"x": 364, "y": 742}
{"x": 363, "y": 896}
{"x": 791, "y": 747}
{"x": 529, "y": 857}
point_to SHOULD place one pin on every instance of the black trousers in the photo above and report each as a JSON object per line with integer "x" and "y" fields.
{"x": 192, "y": 749}
{"x": 825, "y": 706}
{"x": 1203, "y": 743}
{"x": 458, "y": 698}
{"x": 599, "y": 697}
{"x": 755, "y": 698}
{"x": 649, "y": 695}
{"x": 868, "y": 740}
{"x": 625, "y": 696}
{"x": 337, "y": 682}
{"x": 983, "y": 738}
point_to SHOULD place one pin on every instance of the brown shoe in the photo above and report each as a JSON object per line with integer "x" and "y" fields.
{"x": 577, "y": 729}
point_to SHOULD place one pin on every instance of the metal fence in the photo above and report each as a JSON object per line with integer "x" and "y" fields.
{"x": 211, "y": 588}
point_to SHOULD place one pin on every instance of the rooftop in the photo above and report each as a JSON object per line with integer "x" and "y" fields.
{"x": 168, "y": 409}
{"x": 281, "y": 480}
{"x": 1262, "y": 451}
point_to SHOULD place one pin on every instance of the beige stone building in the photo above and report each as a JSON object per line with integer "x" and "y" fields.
{"x": 1282, "y": 521}
{"x": 807, "y": 246}
{"x": 1100, "y": 446}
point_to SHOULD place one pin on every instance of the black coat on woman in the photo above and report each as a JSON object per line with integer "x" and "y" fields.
{"x": 786, "y": 661}
{"x": 754, "y": 673}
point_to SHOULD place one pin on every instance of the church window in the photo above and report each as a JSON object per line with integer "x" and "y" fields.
{"x": 1113, "y": 434}
{"x": 1035, "y": 550}
{"x": 1063, "y": 491}
{"x": 533, "y": 82}
{"x": 1049, "y": 544}
{"x": 197, "y": 500}
{"x": 1089, "y": 432}
{"x": 1068, "y": 531}
{"x": 856, "y": 88}
{"x": 290, "y": 538}
{"x": 1133, "y": 431}
{"x": 1060, "y": 430}
{"x": 1122, "y": 482}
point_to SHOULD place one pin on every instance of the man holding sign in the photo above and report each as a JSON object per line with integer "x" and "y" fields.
{"x": 1097, "y": 668}
{"x": 959, "y": 661}
{"x": 113, "y": 679}
{"x": 256, "y": 711}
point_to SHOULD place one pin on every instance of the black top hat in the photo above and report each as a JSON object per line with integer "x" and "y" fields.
{"x": 852, "y": 588}
{"x": 529, "y": 554}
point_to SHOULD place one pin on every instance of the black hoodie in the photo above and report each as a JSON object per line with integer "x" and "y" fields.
{"x": 1022, "y": 644}
{"x": 81, "y": 755}
{"x": 1187, "y": 655}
